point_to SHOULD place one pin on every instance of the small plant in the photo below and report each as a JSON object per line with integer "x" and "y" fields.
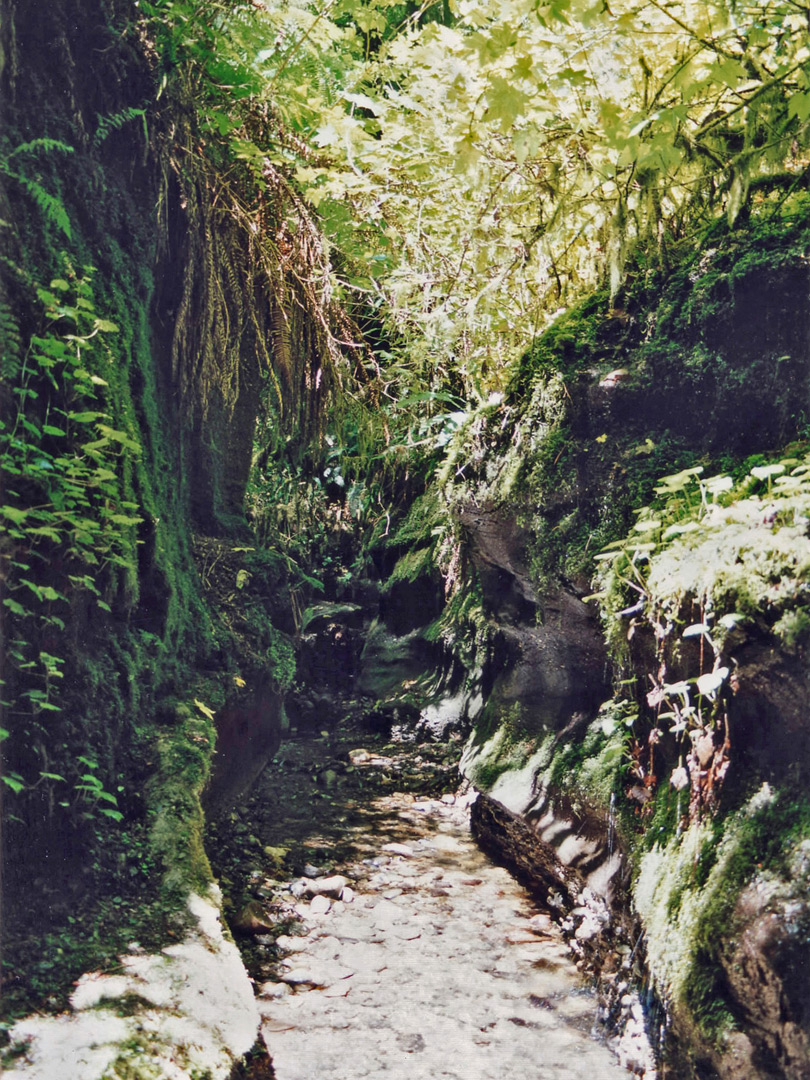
{"x": 91, "y": 791}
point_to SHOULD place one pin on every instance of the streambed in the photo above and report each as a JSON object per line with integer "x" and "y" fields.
{"x": 427, "y": 960}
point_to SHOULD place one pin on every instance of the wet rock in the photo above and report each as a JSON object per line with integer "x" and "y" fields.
{"x": 766, "y": 965}
{"x": 253, "y": 919}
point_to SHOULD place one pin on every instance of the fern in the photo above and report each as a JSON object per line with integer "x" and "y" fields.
{"x": 36, "y": 145}
{"x": 51, "y": 207}
{"x": 108, "y": 124}
{"x": 10, "y": 343}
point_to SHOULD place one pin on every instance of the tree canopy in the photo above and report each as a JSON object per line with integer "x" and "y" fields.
{"x": 475, "y": 166}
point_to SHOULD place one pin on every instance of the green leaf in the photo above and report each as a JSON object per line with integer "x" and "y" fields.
{"x": 505, "y": 102}
{"x": 85, "y": 417}
{"x": 120, "y": 437}
{"x": 48, "y": 593}
{"x": 122, "y": 519}
{"x": 799, "y": 106}
{"x": 14, "y": 513}
{"x": 104, "y": 326}
{"x": 14, "y": 781}
{"x": 44, "y": 530}
{"x": 35, "y": 589}
{"x": 204, "y": 709}
{"x": 14, "y": 607}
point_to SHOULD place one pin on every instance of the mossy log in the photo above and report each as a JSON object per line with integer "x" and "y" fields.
{"x": 510, "y": 842}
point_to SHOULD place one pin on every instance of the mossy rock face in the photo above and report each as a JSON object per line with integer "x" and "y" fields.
{"x": 390, "y": 661}
{"x": 710, "y": 368}
{"x": 726, "y": 917}
{"x": 548, "y": 653}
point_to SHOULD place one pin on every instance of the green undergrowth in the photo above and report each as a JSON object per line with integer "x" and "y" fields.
{"x": 463, "y": 626}
{"x": 736, "y": 550}
{"x": 588, "y": 770}
{"x": 592, "y": 768}
{"x": 136, "y": 879}
{"x": 576, "y": 459}
{"x": 103, "y": 613}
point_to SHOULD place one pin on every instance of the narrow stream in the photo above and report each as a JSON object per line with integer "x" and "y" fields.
{"x": 400, "y": 950}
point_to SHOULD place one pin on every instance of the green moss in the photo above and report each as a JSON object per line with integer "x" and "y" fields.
{"x": 411, "y": 566}
{"x": 416, "y": 529}
{"x": 504, "y": 741}
{"x": 568, "y": 345}
{"x": 185, "y": 751}
{"x": 281, "y": 660}
{"x": 687, "y": 889}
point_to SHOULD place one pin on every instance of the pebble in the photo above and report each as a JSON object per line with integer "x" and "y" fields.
{"x": 399, "y": 849}
{"x": 320, "y": 905}
{"x": 287, "y": 944}
{"x": 274, "y": 990}
{"x": 299, "y": 977}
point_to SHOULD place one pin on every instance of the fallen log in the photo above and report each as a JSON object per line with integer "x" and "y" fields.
{"x": 511, "y": 843}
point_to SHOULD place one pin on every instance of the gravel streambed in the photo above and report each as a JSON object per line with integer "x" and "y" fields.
{"x": 399, "y": 949}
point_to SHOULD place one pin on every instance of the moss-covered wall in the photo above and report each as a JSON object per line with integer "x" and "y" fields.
{"x": 706, "y": 369}
{"x": 111, "y": 460}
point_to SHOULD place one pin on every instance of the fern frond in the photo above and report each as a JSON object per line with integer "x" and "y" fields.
{"x": 11, "y": 349}
{"x": 51, "y": 207}
{"x": 108, "y": 124}
{"x": 49, "y": 145}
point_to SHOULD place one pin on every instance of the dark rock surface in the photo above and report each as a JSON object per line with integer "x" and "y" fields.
{"x": 248, "y": 735}
{"x": 551, "y": 656}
